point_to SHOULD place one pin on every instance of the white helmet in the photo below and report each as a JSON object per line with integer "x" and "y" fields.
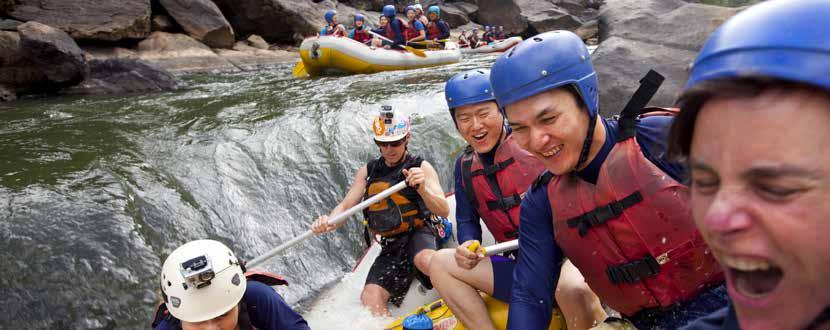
{"x": 418, "y": 7}
{"x": 390, "y": 125}
{"x": 201, "y": 280}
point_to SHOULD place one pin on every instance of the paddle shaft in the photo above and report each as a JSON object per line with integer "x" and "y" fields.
{"x": 502, "y": 247}
{"x": 334, "y": 221}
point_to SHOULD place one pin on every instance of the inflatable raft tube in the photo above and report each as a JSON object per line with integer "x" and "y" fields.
{"x": 496, "y": 46}
{"x": 328, "y": 54}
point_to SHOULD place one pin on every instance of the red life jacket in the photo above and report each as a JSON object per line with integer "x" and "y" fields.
{"x": 632, "y": 234}
{"x": 389, "y": 33}
{"x": 360, "y": 35}
{"x": 411, "y": 32}
{"x": 433, "y": 32}
{"x": 514, "y": 170}
{"x": 267, "y": 278}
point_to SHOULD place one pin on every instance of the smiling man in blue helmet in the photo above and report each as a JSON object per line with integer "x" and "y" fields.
{"x": 754, "y": 126}
{"x": 491, "y": 177}
{"x": 611, "y": 201}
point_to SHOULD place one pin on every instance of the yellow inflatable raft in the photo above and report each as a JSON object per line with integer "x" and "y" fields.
{"x": 443, "y": 318}
{"x": 328, "y": 54}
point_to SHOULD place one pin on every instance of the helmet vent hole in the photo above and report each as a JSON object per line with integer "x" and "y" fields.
{"x": 169, "y": 284}
{"x": 466, "y": 76}
{"x": 537, "y": 39}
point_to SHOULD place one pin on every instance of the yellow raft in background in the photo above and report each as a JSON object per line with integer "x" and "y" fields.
{"x": 443, "y": 318}
{"x": 328, "y": 54}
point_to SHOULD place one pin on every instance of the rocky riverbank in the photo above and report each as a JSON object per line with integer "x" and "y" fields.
{"x": 115, "y": 46}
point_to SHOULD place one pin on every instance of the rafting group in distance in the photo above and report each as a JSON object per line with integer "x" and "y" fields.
{"x": 706, "y": 215}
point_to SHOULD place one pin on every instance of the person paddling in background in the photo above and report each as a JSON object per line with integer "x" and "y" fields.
{"x": 487, "y": 38}
{"x": 403, "y": 221}
{"x": 463, "y": 39}
{"x": 205, "y": 286}
{"x": 474, "y": 38}
{"x": 332, "y": 28}
{"x": 419, "y": 14}
{"x": 490, "y": 179}
{"x": 415, "y": 30}
{"x": 437, "y": 29}
{"x": 611, "y": 201}
{"x": 500, "y": 34}
{"x": 753, "y": 128}
{"x": 391, "y": 27}
{"x": 359, "y": 33}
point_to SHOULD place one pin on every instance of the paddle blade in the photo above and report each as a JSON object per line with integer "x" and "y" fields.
{"x": 417, "y": 52}
{"x": 299, "y": 70}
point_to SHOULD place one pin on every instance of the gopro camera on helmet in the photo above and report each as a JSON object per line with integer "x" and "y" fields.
{"x": 387, "y": 114}
{"x": 198, "y": 271}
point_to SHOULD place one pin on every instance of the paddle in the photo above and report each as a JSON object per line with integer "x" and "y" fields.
{"x": 417, "y": 52}
{"x": 334, "y": 220}
{"x": 299, "y": 70}
{"x": 494, "y": 249}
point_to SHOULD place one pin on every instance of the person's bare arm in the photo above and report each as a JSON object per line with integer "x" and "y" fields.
{"x": 353, "y": 197}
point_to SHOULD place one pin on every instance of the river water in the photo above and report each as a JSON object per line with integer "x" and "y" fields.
{"x": 95, "y": 192}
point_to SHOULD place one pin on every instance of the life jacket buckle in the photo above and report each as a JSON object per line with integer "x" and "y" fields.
{"x": 663, "y": 258}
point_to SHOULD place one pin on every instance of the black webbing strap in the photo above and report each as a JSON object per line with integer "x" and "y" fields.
{"x": 820, "y": 320}
{"x": 628, "y": 117}
{"x": 493, "y": 169}
{"x": 634, "y": 271}
{"x": 467, "y": 177}
{"x": 603, "y": 213}
{"x": 505, "y": 203}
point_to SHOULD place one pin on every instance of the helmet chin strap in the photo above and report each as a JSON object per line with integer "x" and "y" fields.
{"x": 586, "y": 145}
{"x": 822, "y": 319}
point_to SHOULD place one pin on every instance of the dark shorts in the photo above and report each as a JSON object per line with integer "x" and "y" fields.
{"x": 683, "y": 313}
{"x": 394, "y": 269}
{"x": 502, "y": 277}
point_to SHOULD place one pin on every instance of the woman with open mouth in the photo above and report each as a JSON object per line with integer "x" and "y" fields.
{"x": 754, "y": 129}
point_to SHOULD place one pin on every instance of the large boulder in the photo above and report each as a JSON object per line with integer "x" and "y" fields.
{"x": 17, "y": 71}
{"x": 368, "y": 5}
{"x": 454, "y": 15}
{"x": 124, "y": 75}
{"x": 283, "y": 21}
{"x": 638, "y": 35}
{"x": 106, "y": 20}
{"x": 527, "y": 17}
{"x": 5, "y": 6}
{"x": 55, "y": 53}
{"x": 163, "y": 23}
{"x": 181, "y": 54}
{"x": 202, "y": 20}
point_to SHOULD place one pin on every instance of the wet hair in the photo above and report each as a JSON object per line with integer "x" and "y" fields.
{"x": 691, "y": 101}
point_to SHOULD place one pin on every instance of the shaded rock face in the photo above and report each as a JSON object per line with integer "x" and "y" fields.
{"x": 638, "y": 35}
{"x": 104, "y": 20}
{"x": 202, "y": 20}
{"x": 283, "y": 21}
{"x": 17, "y": 72}
{"x": 454, "y": 15}
{"x": 163, "y": 23}
{"x": 54, "y": 52}
{"x": 9, "y": 24}
{"x": 123, "y": 75}
{"x": 372, "y": 5}
{"x": 529, "y": 17}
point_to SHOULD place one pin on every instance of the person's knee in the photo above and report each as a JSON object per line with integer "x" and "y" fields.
{"x": 576, "y": 291}
{"x": 442, "y": 261}
{"x": 422, "y": 260}
{"x": 373, "y": 295}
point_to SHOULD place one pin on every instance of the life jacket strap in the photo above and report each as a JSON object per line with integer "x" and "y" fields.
{"x": 494, "y": 168}
{"x": 505, "y": 203}
{"x": 604, "y": 213}
{"x": 634, "y": 271}
{"x": 628, "y": 117}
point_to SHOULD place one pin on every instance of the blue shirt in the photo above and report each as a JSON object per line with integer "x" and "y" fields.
{"x": 266, "y": 309}
{"x": 723, "y": 319}
{"x": 537, "y": 271}
{"x": 419, "y": 26}
{"x": 444, "y": 31}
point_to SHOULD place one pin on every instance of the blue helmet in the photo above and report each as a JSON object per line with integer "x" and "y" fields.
{"x": 329, "y": 15}
{"x": 417, "y": 322}
{"x": 434, "y": 9}
{"x": 544, "y": 62}
{"x": 389, "y": 11}
{"x": 408, "y": 8}
{"x": 359, "y": 17}
{"x": 468, "y": 87}
{"x": 777, "y": 39}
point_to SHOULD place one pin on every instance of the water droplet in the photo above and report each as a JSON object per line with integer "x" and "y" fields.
{"x": 595, "y": 253}
{"x": 663, "y": 240}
